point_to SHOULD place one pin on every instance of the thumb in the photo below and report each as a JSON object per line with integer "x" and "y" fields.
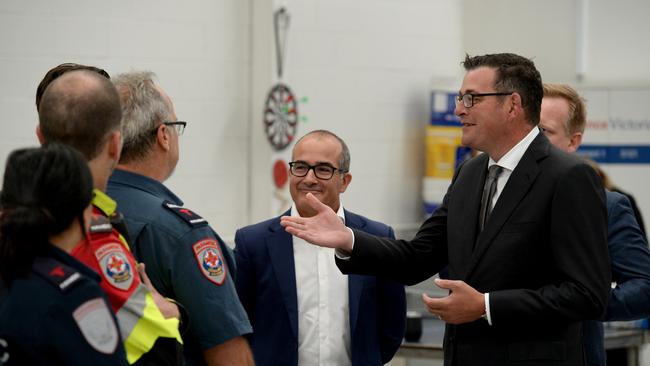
{"x": 317, "y": 205}
{"x": 446, "y": 284}
{"x": 143, "y": 276}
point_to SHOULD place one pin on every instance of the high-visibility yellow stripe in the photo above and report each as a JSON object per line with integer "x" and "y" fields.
{"x": 151, "y": 326}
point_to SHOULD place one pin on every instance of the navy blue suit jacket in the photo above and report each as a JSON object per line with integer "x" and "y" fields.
{"x": 266, "y": 284}
{"x": 630, "y": 262}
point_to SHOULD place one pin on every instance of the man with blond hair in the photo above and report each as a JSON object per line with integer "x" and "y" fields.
{"x": 563, "y": 119}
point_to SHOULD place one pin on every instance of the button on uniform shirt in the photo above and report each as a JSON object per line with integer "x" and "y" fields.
{"x": 323, "y": 311}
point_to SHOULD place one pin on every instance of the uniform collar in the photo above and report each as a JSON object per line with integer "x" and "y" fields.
{"x": 144, "y": 183}
{"x": 103, "y": 202}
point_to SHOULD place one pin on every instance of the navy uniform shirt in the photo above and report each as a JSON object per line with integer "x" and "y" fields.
{"x": 58, "y": 315}
{"x": 185, "y": 260}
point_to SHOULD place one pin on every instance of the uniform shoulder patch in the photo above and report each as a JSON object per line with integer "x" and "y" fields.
{"x": 115, "y": 266}
{"x": 97, "y": 326}
{"x": 56, "y": 273}
{"x": 100, "y": 224}
{"x": 210, "y": 260}
{"x": 185, "y": 214}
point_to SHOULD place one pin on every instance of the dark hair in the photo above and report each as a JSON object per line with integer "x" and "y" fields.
{"x": 44, "y": 190}
{"x": 514, "y": 73}
{"x": 344, "y": 159}
{"x": 57, "y": 71}
{"x": 80, "y": 109}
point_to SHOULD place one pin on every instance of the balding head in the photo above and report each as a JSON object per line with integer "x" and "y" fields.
{"x": 80, "y": 109}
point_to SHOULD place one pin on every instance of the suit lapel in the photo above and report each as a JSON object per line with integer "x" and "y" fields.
{"x": 473, "y": 195}
{"x": 464, "y": 198}
{"x": 280, "y": 247}
{"x": 355, "y": 282}
{"x": 515, "y": 190}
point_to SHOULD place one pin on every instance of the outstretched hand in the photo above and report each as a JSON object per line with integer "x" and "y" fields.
{"x": 464, "y": 304}
{"x": 325, "y": 229}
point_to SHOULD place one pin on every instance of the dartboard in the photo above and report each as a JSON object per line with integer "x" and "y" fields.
{"x": 280, "y": 116}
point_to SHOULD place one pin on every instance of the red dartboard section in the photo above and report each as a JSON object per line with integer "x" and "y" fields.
{"x": 280, "y": 116}
{"x": 280, "y": 173}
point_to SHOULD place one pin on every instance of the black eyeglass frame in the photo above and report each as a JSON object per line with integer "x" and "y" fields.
{"x": 179, "y": 130}
{"x": 332, "y": 170}
{"x": 469, "y": 102}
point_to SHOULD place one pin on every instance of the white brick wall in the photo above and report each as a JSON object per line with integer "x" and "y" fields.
{"x": 200, "y": 51}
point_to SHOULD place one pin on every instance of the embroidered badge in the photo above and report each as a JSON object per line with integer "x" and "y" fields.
{"x": 97, "y": 325}
{"x": 115, "y": 266}
{"x": 210, "y": 260}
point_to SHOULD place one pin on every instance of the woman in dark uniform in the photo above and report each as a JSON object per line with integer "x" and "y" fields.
{"x": 54, "y": 312}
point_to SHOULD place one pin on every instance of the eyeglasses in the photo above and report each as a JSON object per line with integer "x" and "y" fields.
{"x": 321, "y": 171}
{"x": 468, "y": 98}
{"x": 179, "y": 126}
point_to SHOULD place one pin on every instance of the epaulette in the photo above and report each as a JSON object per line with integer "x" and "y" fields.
{"x": 56, "y": 273}
{"x": 119, "y": 223}
{"x": 187, "y": 215}
{"x": 100, "y": 224}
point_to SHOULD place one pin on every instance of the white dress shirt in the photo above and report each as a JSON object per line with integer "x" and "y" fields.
{"x": 508, "y": 162}
{"x": 323, "y": 311}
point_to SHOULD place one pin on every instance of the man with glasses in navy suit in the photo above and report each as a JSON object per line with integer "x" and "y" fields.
{"x": 302, "y": 309}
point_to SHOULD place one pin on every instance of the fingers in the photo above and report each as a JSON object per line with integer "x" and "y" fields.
{"x": 317, "y": 205}
{"x": 447, "y": 284}
{"x": 145, "y": 278}
{"x": 292, "y": 221}
{"x": 434, "y": 305}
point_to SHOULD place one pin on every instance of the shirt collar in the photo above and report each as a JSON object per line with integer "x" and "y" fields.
{"x": 340, "y": 213}
{"x": 513, "y": 156}
{"x": 144, "y": 183}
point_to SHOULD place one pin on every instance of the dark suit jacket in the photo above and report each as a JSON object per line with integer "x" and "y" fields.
{"x": 266, "y": 283}
{"x": 542, "y": 257}
{"x": 628, "y": 251}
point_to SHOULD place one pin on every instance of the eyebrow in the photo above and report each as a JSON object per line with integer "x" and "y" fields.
{"x": 468, "y": 91}
{"x": 317, "y": 163}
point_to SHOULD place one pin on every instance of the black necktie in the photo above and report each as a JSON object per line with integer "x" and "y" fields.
{"x": 488, "y": 192}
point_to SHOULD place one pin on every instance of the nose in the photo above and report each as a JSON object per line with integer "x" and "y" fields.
{"x": 310, "y": 177}
{"x": 460, "y": 109}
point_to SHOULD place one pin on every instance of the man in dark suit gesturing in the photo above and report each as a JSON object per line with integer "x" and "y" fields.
{"x": 526, "y": 246}
{"x": 302, "y": 309}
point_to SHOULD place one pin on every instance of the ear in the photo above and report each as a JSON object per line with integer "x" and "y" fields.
{"x": 345, "y": 181}
{"x": 115, "y": 145}
{"x": 575, "y": 141}
{"x": 39, "y": 135}
{"x": 163, "y": 138}
{"x": 514, "y": 104}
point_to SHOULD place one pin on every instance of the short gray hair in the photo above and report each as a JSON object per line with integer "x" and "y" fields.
{"x": 344, "y": 159}
{"x": 143, "y": 109}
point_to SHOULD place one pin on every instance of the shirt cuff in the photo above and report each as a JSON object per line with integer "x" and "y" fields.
{"x": 340, "y": 254}
{"x": 487, "y": 316}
